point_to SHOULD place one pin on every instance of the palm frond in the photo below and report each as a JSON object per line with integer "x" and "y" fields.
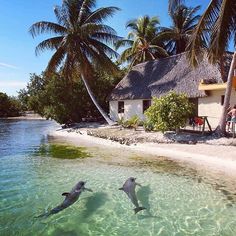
{"x": 92, "y": 28}
{"x": 192, "y": 23}
{"x": 100, "y": 59}
{"x": 222, "y": 30}
{"x": 167, "y": 34}
{"x": 124, "y": 43}
{"x": 173, "y": 4}
{"x": 103, "y": 47}
{"x": 110, "y": 39}
{"x": 101, "y": 14}
{"x": 48, "y": 44}
{"x": 158, "y": 50}
{"x": 201, "y": 36}
{"x": 84, "y": 10}
{"x": 46, "y": 27}
{"x": 61, "y": 16}
{"x": 56, "y": 60}
{"x": 132, "y": 24}
{"x": 126, "y": 55}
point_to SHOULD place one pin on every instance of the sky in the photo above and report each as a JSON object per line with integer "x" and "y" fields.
{"x": 17, "y": 47}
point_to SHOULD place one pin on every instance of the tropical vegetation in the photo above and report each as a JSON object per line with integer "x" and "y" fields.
{"x": 9, "y": 106}
{"x": 142, "y": 42}
{"x": 81, "y": 43}
{"x": 47, "y": 97}
{"x": 133, "y": 122}
{"x": 184, "y": 20}
{"x": 169, "y": 112}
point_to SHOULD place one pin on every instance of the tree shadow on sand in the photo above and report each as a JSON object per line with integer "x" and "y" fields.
{"x": 93, "y": 203}
{"x": 143, "y": 194}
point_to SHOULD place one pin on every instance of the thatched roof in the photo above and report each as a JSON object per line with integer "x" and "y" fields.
{"x": 158, "y": 77}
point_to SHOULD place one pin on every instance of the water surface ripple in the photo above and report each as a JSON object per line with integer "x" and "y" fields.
{"x": 178, "y": 202}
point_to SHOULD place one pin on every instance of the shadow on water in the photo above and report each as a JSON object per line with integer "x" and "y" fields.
{"x": 143, "y": 194}
{"x": 93, "y": 203}
{"x": 61, "y": 231}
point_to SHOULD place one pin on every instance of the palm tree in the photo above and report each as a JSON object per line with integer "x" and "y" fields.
{"x": 184, "y": 21}
{"x": 80, "y": 43}
{"x": 142, "y": 41}
{"x": 215, "y": 30}
{"x": 173, "y": 4}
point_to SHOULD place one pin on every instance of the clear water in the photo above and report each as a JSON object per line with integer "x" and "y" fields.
{"x": 179, "y": 200}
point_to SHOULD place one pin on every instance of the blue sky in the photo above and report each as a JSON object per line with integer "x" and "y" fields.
{"x": 17, "y": 57}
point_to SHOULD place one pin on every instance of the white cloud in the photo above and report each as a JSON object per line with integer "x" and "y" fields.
{"x": 8, "y": 65}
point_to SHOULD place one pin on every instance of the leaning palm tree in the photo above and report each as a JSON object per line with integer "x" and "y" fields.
{"x": 142, "y": 42}
{"x": 81, "y": 43}
{"x": 184, "y": 20}
{"x": 215, "y": 30}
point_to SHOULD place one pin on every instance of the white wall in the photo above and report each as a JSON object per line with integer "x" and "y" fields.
{"x": 211, "y": 106}
{"x": 131, "y": 108}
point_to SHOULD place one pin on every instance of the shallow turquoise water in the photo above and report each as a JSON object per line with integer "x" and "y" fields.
{"x": 178, "y": 202}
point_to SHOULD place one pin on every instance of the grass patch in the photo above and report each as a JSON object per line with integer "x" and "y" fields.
{"x": 62, "y": 151}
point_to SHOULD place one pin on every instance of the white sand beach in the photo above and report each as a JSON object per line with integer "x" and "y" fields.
{"x": 212, "y": 157}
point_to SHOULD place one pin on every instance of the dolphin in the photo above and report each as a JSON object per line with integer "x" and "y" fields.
{"x": 70, "y": 198}
{"x": 129, "y": 189}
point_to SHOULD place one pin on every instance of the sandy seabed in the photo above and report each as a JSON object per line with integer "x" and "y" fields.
{"x": 217, "y": 158}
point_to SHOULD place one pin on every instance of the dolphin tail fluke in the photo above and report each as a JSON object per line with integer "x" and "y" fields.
{"x": 137, "y": 209}
{"x": 53, "y": 211}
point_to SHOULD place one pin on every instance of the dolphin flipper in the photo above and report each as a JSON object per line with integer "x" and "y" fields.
{"x": 137, "y": 209}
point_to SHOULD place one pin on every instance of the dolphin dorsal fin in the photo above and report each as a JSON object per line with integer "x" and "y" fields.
{"x": 65, "y": 194}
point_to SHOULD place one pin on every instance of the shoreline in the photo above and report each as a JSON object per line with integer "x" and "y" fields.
{"x": 25, "y": 117}
{"x": 212, "y": 157}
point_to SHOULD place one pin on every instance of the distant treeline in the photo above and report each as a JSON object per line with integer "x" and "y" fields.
{"x": 67, "y": 101}
{"x": 9, "y": 106}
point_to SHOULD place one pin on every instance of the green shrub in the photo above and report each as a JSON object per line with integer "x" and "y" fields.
{"x": 121, "y": 121}
{"x": 148, "y": 125}
{"x": 169, "y": 112}
{"x": 133, "y": 122}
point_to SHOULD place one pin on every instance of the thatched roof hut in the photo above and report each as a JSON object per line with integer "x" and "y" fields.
{"x": 158, "y": 77}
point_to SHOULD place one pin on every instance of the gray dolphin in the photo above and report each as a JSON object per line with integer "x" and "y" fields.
{"x": 70, "y": 198}
{"x": 129, "y": 189}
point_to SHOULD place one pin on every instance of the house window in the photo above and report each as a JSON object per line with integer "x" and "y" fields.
{"x": 121, "y": 107}
{"x": 222, "y": 100}
{"x": 146, "y": 105}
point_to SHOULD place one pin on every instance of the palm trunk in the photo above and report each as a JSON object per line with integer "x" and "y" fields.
{"x": 103, "y": 113}
{"x": 222, "y": 124}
